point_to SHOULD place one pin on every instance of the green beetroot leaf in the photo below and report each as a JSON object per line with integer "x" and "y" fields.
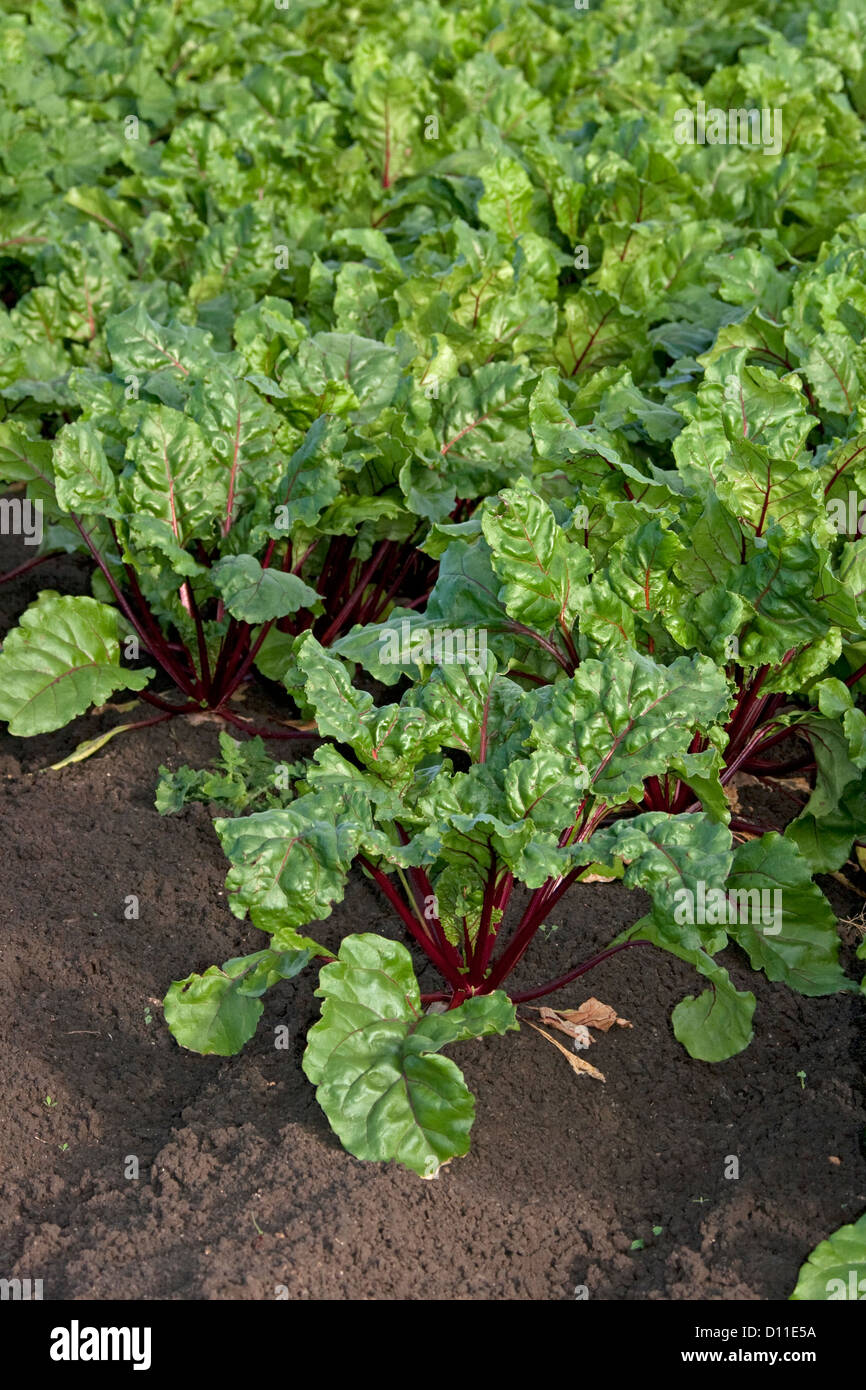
{"x": 717, "y": 1024}
{"x": 373, "y": 1058}
{"x": 832, "y": 816}
{"x": 621, "y": 720}
{"x": 291, "y": 865}
{"x": 389, "y": 739}
{"x": 591, "y": 452}
{"x": 156, "y": 357}
{"x": 311, "y": 481}
{"x": 798, "y": 943}
{"x": 219, "y": 1011}
{"x": 62, "y": 658}
{"x": 176, "y": 478}
{"x": 257, "y": 595}
{"x": 531, "y": 554}
{"x": 25, "y": 459}
{"x": 83, "y": 476}
{"x": 668, "y": 856}
{"x": 836, "y": 1269}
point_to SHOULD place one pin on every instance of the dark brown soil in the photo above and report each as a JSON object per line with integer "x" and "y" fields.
{"x": 243, "y": 1188}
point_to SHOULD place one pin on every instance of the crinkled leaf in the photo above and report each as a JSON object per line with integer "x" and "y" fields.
{"x": 84, "y": 480}
{"x": 668, "y": 856}
{"x": 541, "y": 568}
{"x": 621, "y": 719}
{"x": 290, "y": 866}
{"x": 798, "y": 943}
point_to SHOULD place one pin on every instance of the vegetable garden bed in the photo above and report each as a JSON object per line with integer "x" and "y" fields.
{"x": 563, "y": 1176}
{"x": 462, "y": 416}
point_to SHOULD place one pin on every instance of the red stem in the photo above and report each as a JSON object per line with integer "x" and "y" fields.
{"x": 413, "y": 926}
{"x": 655, "y": 797}
{"x": 751, "y": 827}
{"x": 746, "y": 714}
{"x": 368, "y": 605}
{"x": 237, "y": 654}
{"x": 776, "y": 738}
{"x": 486, "y": 930}
{"x": 421, "y": 883}
{"x": 549, "y": 647}
{"x": 157, "y": 719}
{"x": 542, "y": 900}
{"x": 28, "y": 565}
{"x": 573, "y": 974}
{"x": 569, "y": 646}
{"x": 765, "y": 767}
{"x": 226, "y": 652}
{"x": 154, "y": 639}
{"x": 235, "y": 680}
{"x": 156, "y": 646}
{"x": 501, "y": 902}
{"x": 297, "y": 565}
{"x": 255, "y": 732}
{"x": 204, "y": 680}
{"x": 158, "y": 702}
{"x": 336, "y": 553}
{"x": 427, "y": 585}
{"x": 356, "y": 595}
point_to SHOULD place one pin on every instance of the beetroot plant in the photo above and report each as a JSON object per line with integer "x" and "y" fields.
{"x": 220, "y": 525}
{"x": 732, "y": 552}
{"x": 467, "y": 790}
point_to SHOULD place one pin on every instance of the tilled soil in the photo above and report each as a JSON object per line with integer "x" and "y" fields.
{"x": 242, "y": 1191}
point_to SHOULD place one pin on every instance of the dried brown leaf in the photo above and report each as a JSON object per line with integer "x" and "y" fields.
{"x": 553, "y": 1019}
{"x": 577, "y": 1064}
{"x": 594, "y": 1014}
